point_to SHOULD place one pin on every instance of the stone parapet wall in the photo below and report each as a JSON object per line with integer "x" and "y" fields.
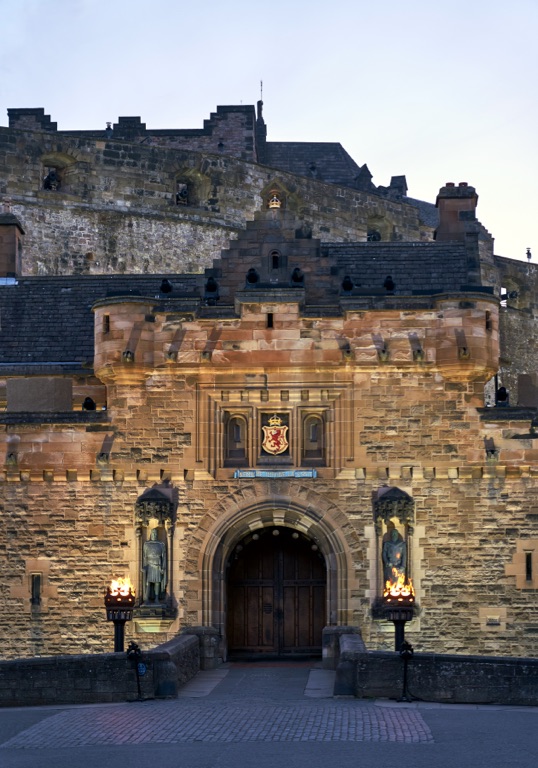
{"x": 229, "y": 130}
{"x": 444, "y": 339}
{"x": 449, "y": 679}
{"x": 97, "y": 678}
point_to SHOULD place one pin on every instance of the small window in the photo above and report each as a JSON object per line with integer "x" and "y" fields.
{"x": 313, "y": 448}
{"x": 61, "y": 173}
{"x": 106, "y": 324}
{"x": 35, "y": 589}
{"x": 270, "y": 320}
{"x": 528, "y": 566}
{"x": 277, "y": 261}
{"x": 235, "y": 453}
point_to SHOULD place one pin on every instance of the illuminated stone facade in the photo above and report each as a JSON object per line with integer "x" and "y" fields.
{"x": 138, "y": 402}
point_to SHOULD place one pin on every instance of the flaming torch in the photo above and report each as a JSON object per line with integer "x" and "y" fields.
{"x": 119, "y": 604}
{"x": 399, "y": 602}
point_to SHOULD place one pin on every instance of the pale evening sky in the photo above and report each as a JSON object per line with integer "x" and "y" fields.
{"x": 439, "y": 92}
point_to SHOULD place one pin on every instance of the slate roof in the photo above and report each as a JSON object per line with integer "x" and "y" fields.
{"x": 333, "y": 164}
{"x": 47, "y": 326}
{"x": 428, "y": 213}
{"x": 414, "y": 266}
{"x": 47, "y": 322}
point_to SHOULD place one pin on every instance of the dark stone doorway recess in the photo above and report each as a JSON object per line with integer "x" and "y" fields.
{"x": 276, "y": 596}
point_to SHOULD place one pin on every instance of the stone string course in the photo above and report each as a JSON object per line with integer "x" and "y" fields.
{"x": 155, "y": 474}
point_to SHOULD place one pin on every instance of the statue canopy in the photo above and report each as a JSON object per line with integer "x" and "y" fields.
{"x": 155, "y": 504}
{"x": 394, "y": 503}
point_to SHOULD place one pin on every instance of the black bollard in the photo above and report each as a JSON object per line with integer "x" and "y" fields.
{"x": 134, "y": 654}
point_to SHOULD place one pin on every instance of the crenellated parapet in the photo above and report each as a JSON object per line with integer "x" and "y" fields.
{"x": 456, "y": 336}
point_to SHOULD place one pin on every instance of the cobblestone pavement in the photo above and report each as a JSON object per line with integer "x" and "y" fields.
{"x": 242, "y": 704}
{"x": 170, "y": 722}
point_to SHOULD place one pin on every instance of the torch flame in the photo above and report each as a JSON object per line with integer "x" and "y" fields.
{"x": 121, "y": 587}
{"x": 402, "y": 587}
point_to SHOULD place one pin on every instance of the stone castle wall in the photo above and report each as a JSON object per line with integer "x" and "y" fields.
{"x": 399, "y": 392}
{"x": 474, "y": 519}
{"x": 518, "y": 282}
{"x": 230, "y": 130}
{"x": 82, "y": 536}
{"x": 115, "y": 210}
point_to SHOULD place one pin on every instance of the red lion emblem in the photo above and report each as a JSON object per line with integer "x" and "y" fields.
{"x": 274, "y": 436}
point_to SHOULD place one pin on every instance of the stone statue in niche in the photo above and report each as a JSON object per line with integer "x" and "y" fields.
{"x": 394, "y": 555}
{"x": 154, "y": 567}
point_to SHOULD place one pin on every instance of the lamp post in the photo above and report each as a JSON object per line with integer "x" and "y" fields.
{"x": 119, "y": 604}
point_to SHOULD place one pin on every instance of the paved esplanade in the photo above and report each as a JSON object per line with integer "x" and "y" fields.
{"x": 268, "y": 715}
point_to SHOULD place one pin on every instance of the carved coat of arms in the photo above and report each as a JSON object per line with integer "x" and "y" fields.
{"x": 274, "y": 436}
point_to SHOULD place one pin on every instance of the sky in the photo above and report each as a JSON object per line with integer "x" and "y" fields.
{"x": 438, "y": 91}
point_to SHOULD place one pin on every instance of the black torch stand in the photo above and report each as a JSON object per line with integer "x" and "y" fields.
{"x": 119, "y": 616}
{"x": 399, "y": 633}
{"x": 399, "y": 613}
{"x": 119, "y": 609}
{"x": 119, "y": 635}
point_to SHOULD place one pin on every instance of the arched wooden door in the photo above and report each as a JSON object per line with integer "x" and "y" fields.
{"x": 276, "y": 595}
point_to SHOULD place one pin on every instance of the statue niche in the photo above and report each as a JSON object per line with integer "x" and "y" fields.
{"x": 154, "y": 525}
{"x": 154, "y": 568}
{"x": 394, "y": 514}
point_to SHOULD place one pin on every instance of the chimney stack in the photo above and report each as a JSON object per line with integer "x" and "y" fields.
{"x": 457, "y": 205}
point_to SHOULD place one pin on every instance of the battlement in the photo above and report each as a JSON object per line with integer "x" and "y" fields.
{"x": 31, "y": 119}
